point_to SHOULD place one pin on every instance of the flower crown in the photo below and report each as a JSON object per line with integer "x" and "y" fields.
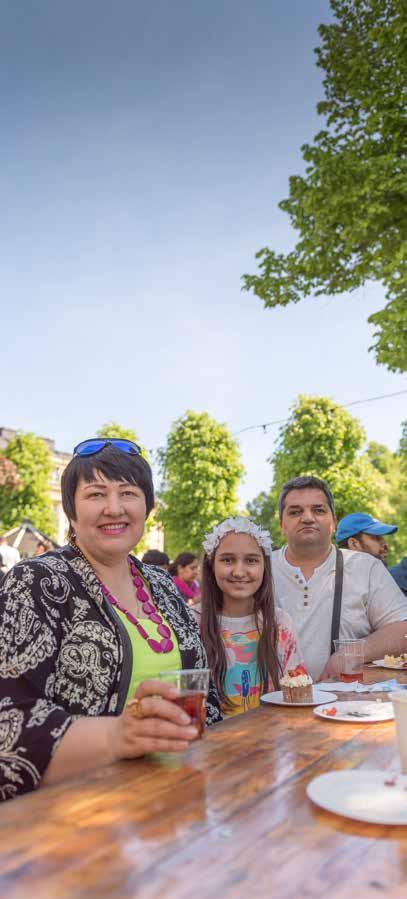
{"x": 239, "y": 525}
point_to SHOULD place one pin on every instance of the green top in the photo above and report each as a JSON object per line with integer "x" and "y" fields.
{"x": 146, "y": 662}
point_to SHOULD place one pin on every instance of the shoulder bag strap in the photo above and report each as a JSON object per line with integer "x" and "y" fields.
{"x": 336, "y": 611}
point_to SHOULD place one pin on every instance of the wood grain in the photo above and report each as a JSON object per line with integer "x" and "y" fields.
{"x": 229, "y": 818}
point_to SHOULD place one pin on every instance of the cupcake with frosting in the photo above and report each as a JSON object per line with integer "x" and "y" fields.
{"x": 296, "y": 685}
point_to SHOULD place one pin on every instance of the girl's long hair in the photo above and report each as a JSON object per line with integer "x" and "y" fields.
{"x": 265, "y": 619}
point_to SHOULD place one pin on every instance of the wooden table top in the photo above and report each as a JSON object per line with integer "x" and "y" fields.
{"x": 229, "y": 818}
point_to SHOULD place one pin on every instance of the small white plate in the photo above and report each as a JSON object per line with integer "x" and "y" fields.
{"x": 380, "y": 664}
{"x": 376, "y": 711}
{"x": 318, "y": 697}
{"x": 362, "y": 795}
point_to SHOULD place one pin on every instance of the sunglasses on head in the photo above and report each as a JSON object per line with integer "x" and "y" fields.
{"x": 96, "y": 444}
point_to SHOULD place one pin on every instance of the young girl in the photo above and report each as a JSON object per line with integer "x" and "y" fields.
{"x": 249, "y": 642}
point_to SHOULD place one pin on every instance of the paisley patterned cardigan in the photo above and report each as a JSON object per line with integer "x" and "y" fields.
{"x": 64, "y": 653}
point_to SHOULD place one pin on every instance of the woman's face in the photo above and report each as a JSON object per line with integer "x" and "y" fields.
{"x": 189, "y": 572}
{"x": 110, "y": 516}
{"x": 238, "y": 567}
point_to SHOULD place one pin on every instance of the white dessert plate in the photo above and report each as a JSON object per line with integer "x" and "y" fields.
{"x": 357, "y": 712}
{"x": 318, "y": 697}
{"x": 372, "y": 796}
{"x": 380, "y": 663}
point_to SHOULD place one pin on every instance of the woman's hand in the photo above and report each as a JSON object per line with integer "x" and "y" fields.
{"x": 151, "y": 723}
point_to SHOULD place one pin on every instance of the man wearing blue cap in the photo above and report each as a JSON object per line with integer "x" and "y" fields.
{"x": 360, "y": 532}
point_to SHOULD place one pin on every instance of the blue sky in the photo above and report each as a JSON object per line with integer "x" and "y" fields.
{"x": 145, "y": 147}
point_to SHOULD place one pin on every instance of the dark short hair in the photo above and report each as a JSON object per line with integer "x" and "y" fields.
{"x": 344, "y": 544}
{"x": 155, "y": 557}
{"x": 115, "y": 466}
{"x": 182, "y": 560}
{"x": 302, "y": 483}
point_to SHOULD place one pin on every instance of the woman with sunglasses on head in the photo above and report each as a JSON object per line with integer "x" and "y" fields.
{"x": 249, "y": 642}
{"x": 87, "y": 628}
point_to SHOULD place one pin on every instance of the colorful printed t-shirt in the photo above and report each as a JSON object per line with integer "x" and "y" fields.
{"x": 243, "y": 684}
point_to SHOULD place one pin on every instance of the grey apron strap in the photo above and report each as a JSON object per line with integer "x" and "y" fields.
{"x": 336, "y": 611}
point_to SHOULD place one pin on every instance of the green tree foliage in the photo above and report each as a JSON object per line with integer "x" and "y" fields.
{"x": 113, "y": 429}
{"x": 321, "y": 438}
{"x": 349, "y": 208}
{"x": 31, "y": 499}
{"x": 392, "y": 503}
{"x": 201, "y": 471}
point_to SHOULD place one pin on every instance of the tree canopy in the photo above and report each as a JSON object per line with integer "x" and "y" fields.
{"x": 31, "y": 498}
{"x": 201, "y": 471}
{"x": 321, "y": 438}
{"x": 349, "y": 208}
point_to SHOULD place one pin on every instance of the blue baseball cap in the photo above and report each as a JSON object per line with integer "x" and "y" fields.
{"x": 361, "y": 523}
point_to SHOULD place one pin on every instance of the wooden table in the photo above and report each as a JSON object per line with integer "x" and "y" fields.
{"x": 229, "y": 818}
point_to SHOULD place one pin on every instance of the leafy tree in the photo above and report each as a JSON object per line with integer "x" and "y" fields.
{"x": 201, "y": 471}
{"x": 349, "y": 208}
{"x": 323, "y": 439}
{"x": 113, "y": 429}
{"x": 392, "y": 504}
{"x": 31, "y": 499}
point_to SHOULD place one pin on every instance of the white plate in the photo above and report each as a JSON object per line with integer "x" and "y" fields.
{"x": 377, "y": 711}
{"x": 318, "y": 697}
{"x": 380, "y": 664}
{"x": 362, "y": 795}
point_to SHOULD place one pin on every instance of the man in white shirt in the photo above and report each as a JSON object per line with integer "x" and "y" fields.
{"x": 9, "y": 554}
{"x": 304, "y": 578}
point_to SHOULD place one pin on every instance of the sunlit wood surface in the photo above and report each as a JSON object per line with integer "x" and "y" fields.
{"x": 229, "y": 818}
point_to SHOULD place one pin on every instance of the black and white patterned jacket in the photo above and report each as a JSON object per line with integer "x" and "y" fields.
{"x": 64, "y": 653}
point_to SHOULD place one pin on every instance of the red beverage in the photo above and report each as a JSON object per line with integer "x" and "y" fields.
{"x": 348, "y": 678}
{"x": 193, "y": 702}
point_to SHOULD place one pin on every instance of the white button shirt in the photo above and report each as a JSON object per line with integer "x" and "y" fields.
{"x": 370, "y": 599}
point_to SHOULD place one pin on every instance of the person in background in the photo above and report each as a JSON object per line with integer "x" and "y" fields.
{"x": 42, "y": 547}
{"x": 156, "y": 557}
{"x": 184, "y": 571}
{"x": 364, "y": 534}
{"x": 304, "y": 574}
{"x": 399, "y": 572}
{"x": 87, "y": 628}
{"x": 9, "y": 554}
{"x": 249, "y": 643}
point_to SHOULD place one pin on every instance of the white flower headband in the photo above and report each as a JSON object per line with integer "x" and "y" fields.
{"x": 239, "y": 525}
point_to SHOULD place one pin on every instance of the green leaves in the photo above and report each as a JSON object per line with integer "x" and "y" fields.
{"x": 201, "y": 471}
{"x": 349, "y": 209}
{"x": 31, "y": 498}
{"x": 323, "y": 439}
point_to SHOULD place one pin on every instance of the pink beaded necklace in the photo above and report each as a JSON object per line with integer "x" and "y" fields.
{"x": 165, "y": 644}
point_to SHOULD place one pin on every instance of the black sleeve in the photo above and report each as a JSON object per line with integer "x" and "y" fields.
{"x": 31, "y": 723}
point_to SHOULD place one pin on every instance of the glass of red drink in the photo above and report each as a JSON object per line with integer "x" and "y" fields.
{"x": 351, "y": 655}
{"x": 192, "y": 685}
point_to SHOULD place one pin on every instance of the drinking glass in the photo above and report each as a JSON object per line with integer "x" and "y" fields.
{"x": 193, "y": 685}
{"x": 399, "y": 700}
{"x": 351, "y": 654}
